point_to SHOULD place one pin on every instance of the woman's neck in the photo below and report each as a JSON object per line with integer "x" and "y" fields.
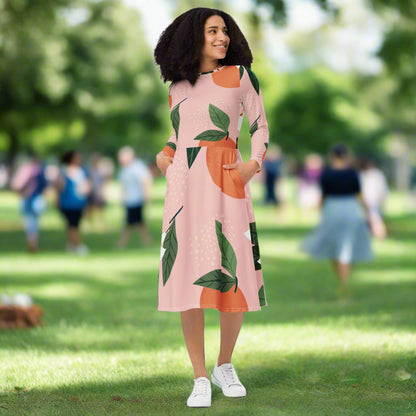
{"x": 208, "y": 66}
{"x": 339, "y": 164}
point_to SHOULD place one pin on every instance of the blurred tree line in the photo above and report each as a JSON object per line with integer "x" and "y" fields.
{"x": 374, "y": 113}
{"x": 76, "y": 74}
{"x": 79, "y": 73}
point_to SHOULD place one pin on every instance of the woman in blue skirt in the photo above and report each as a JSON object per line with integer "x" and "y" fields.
{"x": 342, "y": 235}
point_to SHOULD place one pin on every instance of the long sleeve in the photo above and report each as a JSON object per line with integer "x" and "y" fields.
{"x": 253, "y": 107}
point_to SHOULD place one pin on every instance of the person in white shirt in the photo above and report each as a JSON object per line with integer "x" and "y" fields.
{"x": 375, "y": 191}
{"x": 136, "y": 181}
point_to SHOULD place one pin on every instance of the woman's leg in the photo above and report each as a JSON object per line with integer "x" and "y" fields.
{"x": 31, "y": 225}
{"x": 193, "y": 332}
{"x": 231, "y": 323}
{"x": 343, "y": 271}
{"x": 74, "y": 236}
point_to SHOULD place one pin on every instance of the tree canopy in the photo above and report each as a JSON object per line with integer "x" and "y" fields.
{"x": 76, "y": 74}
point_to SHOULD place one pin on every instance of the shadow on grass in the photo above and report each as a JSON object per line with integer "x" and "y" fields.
{"x": 300, "y": 293}
{"x": 302, "y": 385}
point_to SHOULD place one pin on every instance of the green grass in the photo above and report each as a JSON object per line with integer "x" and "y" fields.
{"x": 106, "y": 350}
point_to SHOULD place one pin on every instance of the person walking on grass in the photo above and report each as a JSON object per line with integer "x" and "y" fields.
{"x": 73, "y": 189}
{"x": 342, "y": 235}
{"x": 29, "y": 182}
{"x": 209, "y": 251}
{"x": 136, "y": 182}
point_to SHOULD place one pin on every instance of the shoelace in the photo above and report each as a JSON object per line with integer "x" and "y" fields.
{"x": 230, "y": 376}
{"x": 200, "y": 388}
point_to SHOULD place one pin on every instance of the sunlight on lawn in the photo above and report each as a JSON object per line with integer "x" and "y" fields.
{"x": 306, "y": 354}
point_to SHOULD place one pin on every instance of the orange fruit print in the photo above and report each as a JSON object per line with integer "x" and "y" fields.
{"x": 221, "y": 150}
{"x": 228, "y": 77}
{"x": 229, "y": 180}
{"x": 228, "y": 301}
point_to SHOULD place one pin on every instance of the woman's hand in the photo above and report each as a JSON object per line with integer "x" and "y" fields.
{"x": 163, "y": 161}
{"x": 247, "y": 169}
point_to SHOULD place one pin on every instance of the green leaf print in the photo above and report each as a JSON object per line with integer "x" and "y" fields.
{"x": 175, "y": 117}
{"x": 254, "y": 127}
{"x": 228, "y": 257}
{"x": 171, "y": 145}
{"x": 256, "y": 248}
{"x": 254, "y": 80}
{"x": 192, "y": 153}
{"x": 211, "y": 135}
{"x": 262, "y": 296}
{"x": 241, "y": 71}
{"x": 219, "y": 118}
{"x": 171, "y": 246}
{"x": 216, "y": 280}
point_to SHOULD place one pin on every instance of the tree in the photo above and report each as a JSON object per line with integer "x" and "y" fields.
{"x": 27, "y": 69}
{"x": 315, "y": 113}
{"x": 76, "y": 74}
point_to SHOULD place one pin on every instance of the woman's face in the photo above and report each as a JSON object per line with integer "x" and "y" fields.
{"x": 76, "y": 159}
{"x": 216, "y": 39}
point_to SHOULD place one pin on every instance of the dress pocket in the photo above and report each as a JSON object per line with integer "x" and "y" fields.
{"x": 229, "y": 180}
{"x": 237, "y": 178}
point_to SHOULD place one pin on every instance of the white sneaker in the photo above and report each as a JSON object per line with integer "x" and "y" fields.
{"x": 226, "y": 379}
{"x": 81, "y": 250}
{"x": 201, "y": 394}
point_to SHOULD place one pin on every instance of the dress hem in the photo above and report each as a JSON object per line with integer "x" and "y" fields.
{"x": 186, "y": 308}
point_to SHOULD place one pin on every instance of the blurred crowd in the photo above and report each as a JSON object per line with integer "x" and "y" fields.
{"x": 350, "y": 192}
{"x": 79, "y": 191}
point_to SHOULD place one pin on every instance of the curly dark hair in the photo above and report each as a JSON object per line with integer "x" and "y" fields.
{"x": 178, "y": 50}
{"x": 68, "y": 156}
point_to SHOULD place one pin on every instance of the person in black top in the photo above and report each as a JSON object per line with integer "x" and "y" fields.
{"x": 342, "y": 234}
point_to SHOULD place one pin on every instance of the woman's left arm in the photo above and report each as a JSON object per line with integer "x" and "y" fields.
{"x": 252, "y": 101}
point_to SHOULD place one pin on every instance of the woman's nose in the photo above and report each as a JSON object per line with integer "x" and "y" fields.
{"x": 221, "y": 36}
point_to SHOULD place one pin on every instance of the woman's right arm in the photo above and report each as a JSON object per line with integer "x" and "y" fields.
{"x": 165, "y": 158}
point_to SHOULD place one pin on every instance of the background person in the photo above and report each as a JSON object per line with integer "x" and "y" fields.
{"x": 136, "y": 183}
{"x": 309, "y": 192}
{"x": 73, "y": 189}
{"x": 272, "y": 167}
{"x": 342, "y": 235}
{"x": 209, "y": 252}
{"x": 375, "y": 191}
{"x": 29, "y": 182}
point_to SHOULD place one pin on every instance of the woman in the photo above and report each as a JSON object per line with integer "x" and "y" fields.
{"x": 30, "y": 182}
{"x": 209, "y": 254}
{"x": 342, "y": 235}
{"x": 73, "y": 187}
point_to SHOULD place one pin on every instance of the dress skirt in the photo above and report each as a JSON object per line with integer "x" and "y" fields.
{"x": 342, "y": 233}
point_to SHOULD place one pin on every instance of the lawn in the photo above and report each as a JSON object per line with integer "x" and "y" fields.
{"x": 106, "y": 350}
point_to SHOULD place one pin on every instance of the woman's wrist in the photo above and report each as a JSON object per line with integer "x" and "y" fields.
{"x": 254, "y": 165}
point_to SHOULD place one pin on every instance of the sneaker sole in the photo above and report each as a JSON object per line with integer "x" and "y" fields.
{"x": 204, "y": 404}
{"x": 218, "y": 384}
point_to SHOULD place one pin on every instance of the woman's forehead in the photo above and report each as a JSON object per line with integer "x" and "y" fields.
{"x": 215, "y": 21}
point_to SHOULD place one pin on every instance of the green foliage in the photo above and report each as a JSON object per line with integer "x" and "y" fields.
{"x": 279, "y": 8}
{"x": 308, "y": 118}
{"x": 70, "y": 63}
{"x": 397, "y": 53}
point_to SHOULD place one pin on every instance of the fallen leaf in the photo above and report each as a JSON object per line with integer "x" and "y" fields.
{"x": 403, "y": 375}
{"x": 116, "y": 399}
{"x": 74, "y": 399}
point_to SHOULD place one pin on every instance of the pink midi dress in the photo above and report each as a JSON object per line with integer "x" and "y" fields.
{"x": 209, "y": 254}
